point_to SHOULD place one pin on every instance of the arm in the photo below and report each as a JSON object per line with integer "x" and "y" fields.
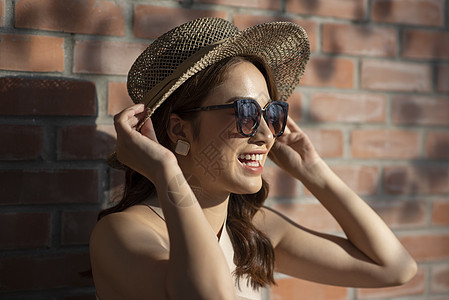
{"x": 196, "y": 265}
{"x": 370, "y": 256}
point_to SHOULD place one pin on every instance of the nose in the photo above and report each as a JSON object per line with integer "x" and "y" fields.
{"x": 263, "y": 134}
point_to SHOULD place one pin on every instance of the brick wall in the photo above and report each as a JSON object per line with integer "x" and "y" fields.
{"x": 374, "y": 99}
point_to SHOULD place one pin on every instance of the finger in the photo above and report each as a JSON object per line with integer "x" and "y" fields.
{"x": 287, "y": 130}
{"x": 134, "y": 121}
{"x": 147, "y": 130}
{"x": 126, "y": 119}
{"x": 128, "y": 113}
{"x": 131, "y": 110}
{"x": 292, "y": 124}
{"x": 143, "y": 118}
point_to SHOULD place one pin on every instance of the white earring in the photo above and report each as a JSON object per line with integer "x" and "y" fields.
{"x": 182, "y": 147}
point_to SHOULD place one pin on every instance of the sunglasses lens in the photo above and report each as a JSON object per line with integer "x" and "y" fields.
{"x": 249, "y": 113}
{"x": 276, "y": 116}
{"x": 249, "y": 117}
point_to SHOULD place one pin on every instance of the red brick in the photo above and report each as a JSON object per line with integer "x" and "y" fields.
{"x": 396, "y": 76}
{"x": 48, "y": 186}
{"x": 327, "y": 142}
{"x": 152, "y": 21}
{"x": 310, "y": 215}
{"x": 105, "y": 57}
{"x": 425, "y": 44}
{"x": 427, "y": 247}
{"x": 440, "y": 279}
{"x": 295, "y": 106}
{"x": 339, "y": 107}
{"x": 77, "y": 226}
{"x": 420, "y": 110}
{"x": 21, "y": 142}
{"x": 281, "y": 183}
{"x": 44, "y": 271}
{"x": 359, "y": 40}
{"x": 24, "y": 230}
{"x": 86, "y": 16}
{"x": 437, "y": 144}
{"x": 416, "y": 12}
{"x": 440, "y": 212}
{"x": 401, "y": 214}
{"x": 385, "y": 144}
{"x": 362, "y": 179}
{"x": 420, "y": 179}
{"x": 42, "y": 97}
{"x": 243, "y": 21}
{"x": 443, "y": 79}
{"x": 416, "y": 286}
{"x": 31, "y": 53}
{"x": 118, "y": 98}
{"x": 329, "y": 72}
{"x": 345, "y": 9}
{"x": 297, "y": 289}
{"x": 86, "y": 142}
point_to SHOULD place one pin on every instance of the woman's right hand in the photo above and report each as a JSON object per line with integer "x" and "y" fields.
{"x": 140, "y": 151}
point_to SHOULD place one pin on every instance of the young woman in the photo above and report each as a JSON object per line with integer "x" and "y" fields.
{"x": 191, "y": 224}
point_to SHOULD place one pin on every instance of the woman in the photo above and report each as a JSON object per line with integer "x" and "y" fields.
{"x": 191, "y": 224}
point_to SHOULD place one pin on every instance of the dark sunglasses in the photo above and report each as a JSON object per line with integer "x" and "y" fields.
{"x": 248, "y": 113}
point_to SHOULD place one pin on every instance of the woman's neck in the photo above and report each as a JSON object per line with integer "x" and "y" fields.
{"x": 215, "y": 209}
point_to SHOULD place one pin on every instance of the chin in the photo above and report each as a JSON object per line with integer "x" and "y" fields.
{"x": 249, "y": 186}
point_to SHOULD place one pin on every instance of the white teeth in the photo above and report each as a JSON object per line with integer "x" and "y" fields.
{"x": 253, "y": 157}
{"x": 251, "y": 164}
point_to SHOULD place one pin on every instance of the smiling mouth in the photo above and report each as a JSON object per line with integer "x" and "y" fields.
{"x": 251, "y": 160}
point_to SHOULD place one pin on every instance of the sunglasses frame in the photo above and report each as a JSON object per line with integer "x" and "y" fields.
{"x": 236, "y": 104}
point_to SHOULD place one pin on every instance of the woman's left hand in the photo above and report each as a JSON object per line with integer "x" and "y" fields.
{"x": 294, "y": 152}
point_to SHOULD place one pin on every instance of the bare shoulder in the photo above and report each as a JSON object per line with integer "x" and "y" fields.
{"x": 131, "y": 230}
{"x": 129, "y": 255}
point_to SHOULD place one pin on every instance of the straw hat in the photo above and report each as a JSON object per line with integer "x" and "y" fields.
{"x": 193, "y": 46}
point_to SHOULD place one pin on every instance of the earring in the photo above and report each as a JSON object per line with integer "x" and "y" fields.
{"x": 182, "y": 147}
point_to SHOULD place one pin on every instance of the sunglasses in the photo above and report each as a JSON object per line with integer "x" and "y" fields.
{"x": 248, "y": 114}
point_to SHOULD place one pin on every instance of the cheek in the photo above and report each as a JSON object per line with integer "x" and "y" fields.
{"x": 213, "y": 154}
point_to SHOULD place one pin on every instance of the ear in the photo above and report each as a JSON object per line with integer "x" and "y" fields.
{"x": 178, "y": 129}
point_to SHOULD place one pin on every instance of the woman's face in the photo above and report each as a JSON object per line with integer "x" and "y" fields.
{"x": 220, "y": 159}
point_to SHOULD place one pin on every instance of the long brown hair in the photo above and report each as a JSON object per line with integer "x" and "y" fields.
{"x": 253, "y": 251}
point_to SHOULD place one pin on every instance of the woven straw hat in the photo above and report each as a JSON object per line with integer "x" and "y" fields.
{"x": 193, "y": 46}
